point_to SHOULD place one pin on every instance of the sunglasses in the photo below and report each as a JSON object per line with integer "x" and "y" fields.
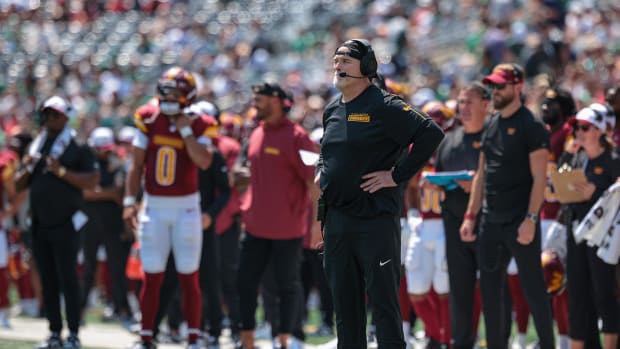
{"x": 498, "y": 86}
{"x": 582, "y": 127}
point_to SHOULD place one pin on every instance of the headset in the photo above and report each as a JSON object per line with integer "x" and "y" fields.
{"x": 368, "y": 63}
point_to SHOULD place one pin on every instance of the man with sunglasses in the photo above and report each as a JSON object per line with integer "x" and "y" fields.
{"x": 56, "y": 170}
{"x": 508, "y": 187}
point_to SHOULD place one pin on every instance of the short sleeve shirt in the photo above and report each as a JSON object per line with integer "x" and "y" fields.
{"x": 459, "y": 151}
{"x": 53, "y": 200}
{"x": 507, "y": 144}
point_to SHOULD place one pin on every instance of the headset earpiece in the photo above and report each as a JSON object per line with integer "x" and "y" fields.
{"x": 368, "y": 63}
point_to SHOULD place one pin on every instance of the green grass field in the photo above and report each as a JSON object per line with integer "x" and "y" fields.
{"x": 15, "y": 344}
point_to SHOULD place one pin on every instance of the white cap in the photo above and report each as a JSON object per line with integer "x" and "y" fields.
{"x": 592, "y": 117}
{"x": 610, "y": 117}
{"x": 101, "y": 137}
{"x": 126, "y": 134}
{"x": 58, "y": 104}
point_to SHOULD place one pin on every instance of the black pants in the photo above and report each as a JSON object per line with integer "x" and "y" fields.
{"x": 462, "y": 272}
{"x": 363, "y": 255}
{"x": 255, "y": 254}
{"x": 210, "y": 283}
{"x": 96, "y": 233}
{"x": 56, "y": 259}
{"x": 229, "y": 267}
{"x": 497, "y": 243}
{"x": 592, "y": 290}
{"x": 462, "y": 260}
{"x": 313, "y": 275}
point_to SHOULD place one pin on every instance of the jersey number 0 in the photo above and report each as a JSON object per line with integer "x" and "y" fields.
{"x": 165, "y": 164}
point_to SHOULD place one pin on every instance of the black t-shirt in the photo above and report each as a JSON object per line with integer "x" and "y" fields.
{"x": 459, "y": 151}
{"x": 601, "y": 171}
{"x": 372, "y": 133}
{"x": 53, "y": 200}
{"x": 107, "y": 214}
{"x": 507, "y": 144}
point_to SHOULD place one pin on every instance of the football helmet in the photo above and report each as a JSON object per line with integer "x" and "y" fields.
{"x": 442, "y": 115}
{"x": 231, "y": 124}
{"x": 553, "y": 271}
{"x": 179, "y": 83}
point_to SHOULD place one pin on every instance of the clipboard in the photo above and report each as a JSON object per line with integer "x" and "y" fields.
{"x": 563, "y": 185}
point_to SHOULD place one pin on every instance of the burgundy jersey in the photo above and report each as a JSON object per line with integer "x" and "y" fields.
{"x": 168, "y": 169}
{"x": 557, "y": 141}
{"x": 430, "y": 200}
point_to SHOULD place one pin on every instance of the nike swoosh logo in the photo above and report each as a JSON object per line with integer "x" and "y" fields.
{"x": 384, "y": 263}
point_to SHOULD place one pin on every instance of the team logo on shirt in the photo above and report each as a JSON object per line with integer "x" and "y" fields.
{"x": 511, "y": 131}
{"x": 173, "y": 142}
{"x": 475, "y": 145}
{"x": 598, "y": 170}
{"x": 358, "y": 118}
{"x": 272, "y": 151}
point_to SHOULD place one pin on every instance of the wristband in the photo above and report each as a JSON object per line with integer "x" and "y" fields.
{"x": 469, "y": 216}
{"x": 186, "y": 131}
{"x": 129, "y": 201}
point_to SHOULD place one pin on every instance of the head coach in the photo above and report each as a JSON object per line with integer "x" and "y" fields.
{"x": 364, "y": 157}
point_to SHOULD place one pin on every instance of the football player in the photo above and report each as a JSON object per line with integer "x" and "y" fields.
{"x": 427, "y": 269}
{"x": 169, "y": 147}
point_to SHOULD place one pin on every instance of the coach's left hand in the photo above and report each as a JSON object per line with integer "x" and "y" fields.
{"x": 377, "y": 180}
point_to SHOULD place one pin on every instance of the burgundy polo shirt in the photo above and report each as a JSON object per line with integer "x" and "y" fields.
{"x": 276, "y": 203}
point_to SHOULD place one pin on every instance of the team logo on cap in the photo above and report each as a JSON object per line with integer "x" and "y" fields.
{"x": 598, "y": 170}
{"x": 511, "y": 131}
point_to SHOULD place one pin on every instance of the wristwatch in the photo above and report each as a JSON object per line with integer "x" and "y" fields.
{"x": 532, "y": 216}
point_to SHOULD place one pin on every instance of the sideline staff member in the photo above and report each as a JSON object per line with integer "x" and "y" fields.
{"x": 511, "y": 177}
{"x": 460, "y": 151}
{"x": 58, "y": 169}
{"x": 367, "y": 131}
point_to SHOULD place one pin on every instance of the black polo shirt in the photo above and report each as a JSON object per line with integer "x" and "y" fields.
{"x": 459, "y": 151}
{"x": 53, "y": 201}
{"x": 507, "y": 144}
{"x": 372, "y": 133}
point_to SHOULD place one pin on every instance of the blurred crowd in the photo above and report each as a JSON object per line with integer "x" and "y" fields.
{"x": 103, "y": 54}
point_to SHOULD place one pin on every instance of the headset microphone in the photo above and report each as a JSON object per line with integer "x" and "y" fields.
{"x": 344, "y": 75}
